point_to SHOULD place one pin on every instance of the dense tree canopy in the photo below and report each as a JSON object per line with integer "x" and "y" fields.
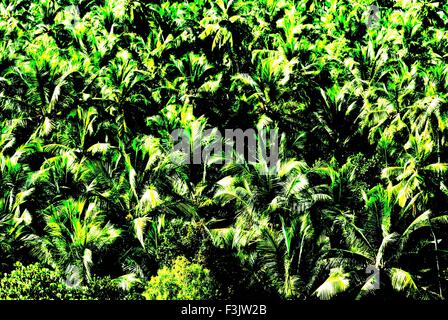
{"x": 92, "y": 190}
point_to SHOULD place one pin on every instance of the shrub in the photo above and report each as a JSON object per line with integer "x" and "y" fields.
{"x": 183, "y": 239}
{"x": 183, "y": 281}
{"x": 103, "y": 288}
{"x": 35, "y": 282}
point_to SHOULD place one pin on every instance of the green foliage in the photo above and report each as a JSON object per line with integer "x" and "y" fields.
{"x": 182, "y": 281}
{"x": 105, "y": 288}
{"x": 36, "y": 282}
{"x": 190, "y": 240}
{"x": 90, "y": 182}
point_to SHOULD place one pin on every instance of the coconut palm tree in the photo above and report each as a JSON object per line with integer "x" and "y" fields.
{"x": 75, "y": 234}
{"x": 380, "y": 239}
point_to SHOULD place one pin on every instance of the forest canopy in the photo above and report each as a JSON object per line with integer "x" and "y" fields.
{"x": 96, "y": 201}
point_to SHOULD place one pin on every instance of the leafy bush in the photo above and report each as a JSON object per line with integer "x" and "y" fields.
{"x": 183, "y": 239}
{"x": 183, "y": 281}
{"x": 104, "y": 288}
{"x": 35, "y": 282}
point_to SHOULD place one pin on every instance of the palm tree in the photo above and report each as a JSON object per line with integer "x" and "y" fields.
{"x": 266, "y": 87}
{"x": 335, "y": 117}
{"x": 76, "y": 233}
{"x": 93, "y": 181}
{"x": 292, "y": 257}
{"x": 375, "y": 238}
{"x": 220, "y": 23}
{"x": 15, "y": 218}
{"x": 193, "y": 75}
{"x": 410, "y": 174}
